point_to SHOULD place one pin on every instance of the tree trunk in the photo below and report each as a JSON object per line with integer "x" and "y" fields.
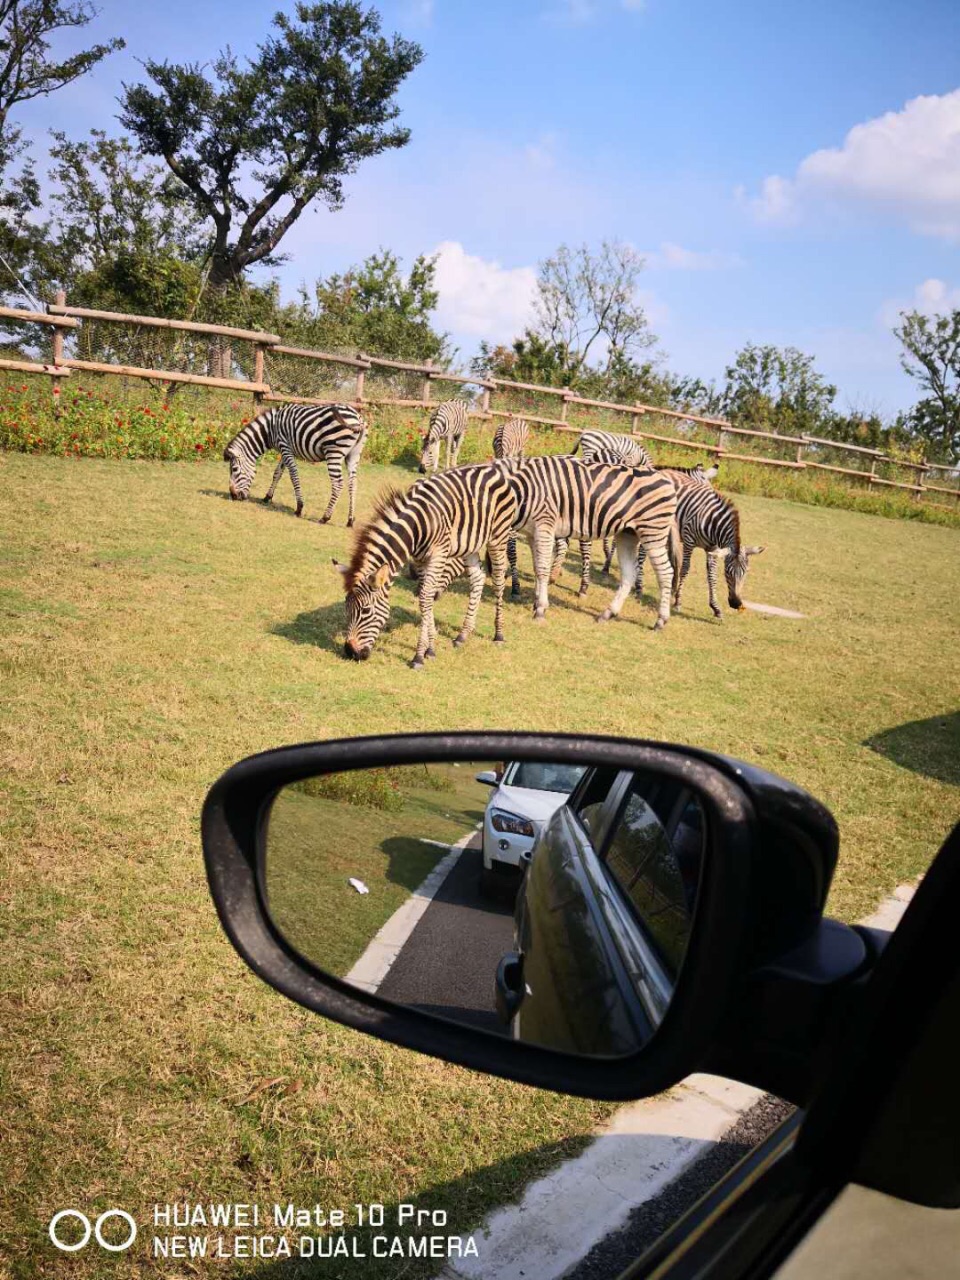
{"x": 220, "y": 351}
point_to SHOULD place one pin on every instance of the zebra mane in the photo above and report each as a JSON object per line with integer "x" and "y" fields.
{"x": 386, "y": 504}
{"x": 736, "y": 525}
{"x": 255, "y": 431}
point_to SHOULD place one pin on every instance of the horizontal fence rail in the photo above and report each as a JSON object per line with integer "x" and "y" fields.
{"x": 262, "y": 365}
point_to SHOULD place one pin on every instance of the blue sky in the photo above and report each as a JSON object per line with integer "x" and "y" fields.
{"x": 792, "y": 173}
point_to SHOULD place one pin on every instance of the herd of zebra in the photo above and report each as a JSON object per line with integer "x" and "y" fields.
{"x": 442, "y": 526}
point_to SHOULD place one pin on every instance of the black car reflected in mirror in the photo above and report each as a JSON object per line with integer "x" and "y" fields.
{"x": 436, "y": 886}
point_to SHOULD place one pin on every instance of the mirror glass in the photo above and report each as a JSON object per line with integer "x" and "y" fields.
{"x": 540, "y": 900}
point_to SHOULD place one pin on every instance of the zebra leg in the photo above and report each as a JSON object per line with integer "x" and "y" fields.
{"x": 664, "y": 571}
{"x": 608, "y": 544}
{"x": 585, "y": 552}
{"x": 559, "y": 555}
{"x": 353, "y": 463}
{"x": 455, "y": 444}
{"x": 542, "y": 543}
{"x": 712, "y": 585}
{"x": 498, "y": 569}
{"x": 684, "y": 570}
{"x": 295, "y": 477}
{"x": 281, "y": 465}
{"x": 428, "y": 627}
{"x": 512, "y": 558}
{"x": 335, "y": 471}
{"x": 627, "y": 560}
{"x": 477, "y": 576}
{"x": 641, "y": 557}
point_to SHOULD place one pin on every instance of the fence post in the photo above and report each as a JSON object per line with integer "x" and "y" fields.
{"x": 563, "y": 406}
{"x": 61, "y": 301}
{"x": 425, "y": 390}
{"x": 799, "y": 453}
{"x": 873, "y": 472}
{"x": 635, "y": 419}
{"x": 361, "y": 377}
{"x": 258, "y": 373}
{"x": 485, "y": 402}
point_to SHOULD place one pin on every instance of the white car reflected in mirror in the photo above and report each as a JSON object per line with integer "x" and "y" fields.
{"x": 525, "y": 796}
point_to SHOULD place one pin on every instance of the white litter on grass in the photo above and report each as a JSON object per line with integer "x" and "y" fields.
{"x": 358, "y": 885}
{"x": 774, "y": 609}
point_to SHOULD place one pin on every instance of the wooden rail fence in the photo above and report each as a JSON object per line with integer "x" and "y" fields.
{"x": 63, "y": 320}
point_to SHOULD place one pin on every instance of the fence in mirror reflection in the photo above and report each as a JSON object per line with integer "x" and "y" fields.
{"x": 543, "y": 900}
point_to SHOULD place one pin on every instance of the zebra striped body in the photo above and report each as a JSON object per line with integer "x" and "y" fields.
{"x": 697, "y": 475}
{"x": 705, "y": 518}
{"x": 441, "y": 525}
{"x": 510, "y": 441}
{"x": 447, "y": 422}
{"x": 627, "y": 450}
{"x": 561, "y": 497}
{"x": 510, "y": 438}
{"x": 331, "y": 433}
{"x": 679, "y": 475}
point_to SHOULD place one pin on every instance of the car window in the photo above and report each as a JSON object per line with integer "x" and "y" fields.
{"x": 592, "y": 804}
{"x": 654, "y": 855}
{"x": 561, "y": 778}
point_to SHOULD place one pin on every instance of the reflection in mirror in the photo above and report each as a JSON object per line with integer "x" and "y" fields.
{"x": 549, "y": 902}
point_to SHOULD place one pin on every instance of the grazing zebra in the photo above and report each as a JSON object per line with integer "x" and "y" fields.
{"x": 680, "y": 475}
{"x": 510, "y": 438}
{"x": 440, "y": 525}
{"x": 447, "y": 422}
{"x": 705, "y": 518}
{"x": 624, "y": 449}
{"x": 510, "y": 441}
{"x": 333, "y": 433}
{"x": 561, "y": 497}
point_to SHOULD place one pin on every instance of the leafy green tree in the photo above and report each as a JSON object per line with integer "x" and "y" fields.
{"x": 777, "y": 389}
{"x": 931, "y": 355}
{"x": 26, "y": 69}
{"x": 292, "y": 123}
{"x": 374, "y": 307}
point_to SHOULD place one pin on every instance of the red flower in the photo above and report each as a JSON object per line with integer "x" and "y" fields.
{"x": 199, "y": 448}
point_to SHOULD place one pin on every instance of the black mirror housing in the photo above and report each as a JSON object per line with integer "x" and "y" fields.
{"x": 767, "y": 870}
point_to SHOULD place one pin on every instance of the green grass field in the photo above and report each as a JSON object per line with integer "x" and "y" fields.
{"x": 153, "y": 632}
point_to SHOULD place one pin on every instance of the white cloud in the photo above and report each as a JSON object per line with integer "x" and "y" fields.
{"x": 480, "y": 298}
{"x": 674, "y": 257}
{"x": 932, "y": 297}
{"x": 906, "y": 163}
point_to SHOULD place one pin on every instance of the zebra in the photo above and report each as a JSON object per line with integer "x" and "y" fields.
{"x": 680, "y": 475}
{"x": 510, "y": 438}
{"x": 440, "y": 525}
{"x": 448, "y": 422}
{"x": 334, "y": 433}
{"x": 623, "y": 449}
{"x": 510, "y": 441}
{"x": 705, "y": 518}
{"x": 562, "y": 497}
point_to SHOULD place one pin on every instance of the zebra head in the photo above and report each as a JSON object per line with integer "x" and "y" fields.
{"x": 735, "y": 567}
{"x": 368, "y": 607}
{"x": 430, "y": 457}
{"x": 242, "y": 470}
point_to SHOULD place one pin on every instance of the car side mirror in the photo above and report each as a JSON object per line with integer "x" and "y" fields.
{"x": 648, "y": 897}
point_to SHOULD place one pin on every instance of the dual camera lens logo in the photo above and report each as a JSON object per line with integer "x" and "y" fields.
{"x": 88, "y": 1228}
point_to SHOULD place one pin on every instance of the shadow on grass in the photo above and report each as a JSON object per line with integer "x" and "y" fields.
{"x": 279, "y": 508}
{"x": 930, "y": 747}
{"x": 319, "y": 627}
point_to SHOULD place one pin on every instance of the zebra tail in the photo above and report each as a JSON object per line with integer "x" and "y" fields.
{"x": 575, "y": 449}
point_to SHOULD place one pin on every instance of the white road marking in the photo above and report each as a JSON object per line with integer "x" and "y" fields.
{"x": 375, "y": 963}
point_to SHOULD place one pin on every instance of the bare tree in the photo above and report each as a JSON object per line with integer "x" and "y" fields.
{"x": 585, "y": 300}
